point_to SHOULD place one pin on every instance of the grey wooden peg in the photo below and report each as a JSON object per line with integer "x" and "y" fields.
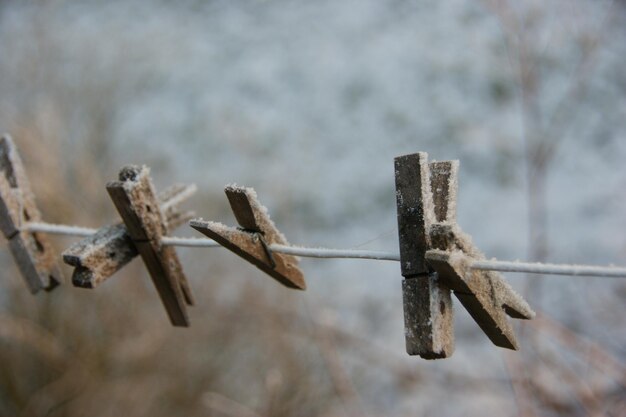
{"x": 428, "y": 312}
{"x": 253, "y": 239}
{"x": 485, "y": 294}
{"x": 444, "y": 181}
{"x": 32, "y": 252}
{"x": 98, "y": 257}
{"x": 136, "y": 201}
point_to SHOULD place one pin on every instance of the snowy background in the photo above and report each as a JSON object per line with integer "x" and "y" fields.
{"x": 309, "y": 102}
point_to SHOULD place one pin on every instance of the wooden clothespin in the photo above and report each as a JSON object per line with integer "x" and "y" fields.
{"x": 485, "y": 294}
{"x": 424, "y": 194}
{"x": 98, "y": 257}
{"x": 32, "y": 252}
{"x": 432, "y": 242}
{"x": 253, "y": 239}
{"x": 136, "y": 201}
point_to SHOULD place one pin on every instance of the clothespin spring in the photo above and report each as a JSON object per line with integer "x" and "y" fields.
{"x": 266, "y": 249}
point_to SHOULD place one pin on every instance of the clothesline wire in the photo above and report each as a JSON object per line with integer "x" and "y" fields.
{"x": 326, "y": 253}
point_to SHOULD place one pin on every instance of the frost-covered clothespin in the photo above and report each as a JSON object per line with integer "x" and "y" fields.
{"x": 433, "y": 245}
{"x": 425, "y": 193}
{"x": 136, "y": 201}
{"x": 253, "y": 238}
{"x": 484, "y": 294}
{"x": 98, "y": 257}
{"x": 32, "y": 252}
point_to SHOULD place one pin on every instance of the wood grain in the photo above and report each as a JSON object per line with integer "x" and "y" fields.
{"x": 33, "y": 252}
{"x": 484, "y": 294}
{"x": 96, "y": 258}
{"x": 251, "y": 241}
{"x": 428, "y": 310}
{"x": 135, "y": 200}
{"x": 444, "y": 181}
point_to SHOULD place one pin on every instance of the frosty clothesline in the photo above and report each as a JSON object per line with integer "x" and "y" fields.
{"x": 327, "y": 253}
{"x": 437, "y": 259}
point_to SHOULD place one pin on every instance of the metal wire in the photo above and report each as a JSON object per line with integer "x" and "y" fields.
{"x": 491, "y": 265}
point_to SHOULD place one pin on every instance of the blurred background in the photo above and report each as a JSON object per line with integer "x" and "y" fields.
{"x": 308, "y": 102}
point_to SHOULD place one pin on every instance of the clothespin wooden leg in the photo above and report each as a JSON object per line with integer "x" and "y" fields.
{"x": 428, "y": 313}
{"x": 485, "y": 295}
{"x": 136, "y": 202}
{"x": 98, "y": 257}
{"x": 450, "y": 238}
{"x": 32, "y": 252}
{"x": 444, "y": 181}
{"x": 252, "y": 241}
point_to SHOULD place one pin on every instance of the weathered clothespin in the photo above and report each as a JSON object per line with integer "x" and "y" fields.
{"x": 486, "y": 295}
{"x": 433, "y": 245}
{"x": 136, "y": 201}
{"x": 253, "y": 239}
{"x": 424, "y": 194}
{"x": 32, "y": 252}
{"x": 98, "y": 257}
